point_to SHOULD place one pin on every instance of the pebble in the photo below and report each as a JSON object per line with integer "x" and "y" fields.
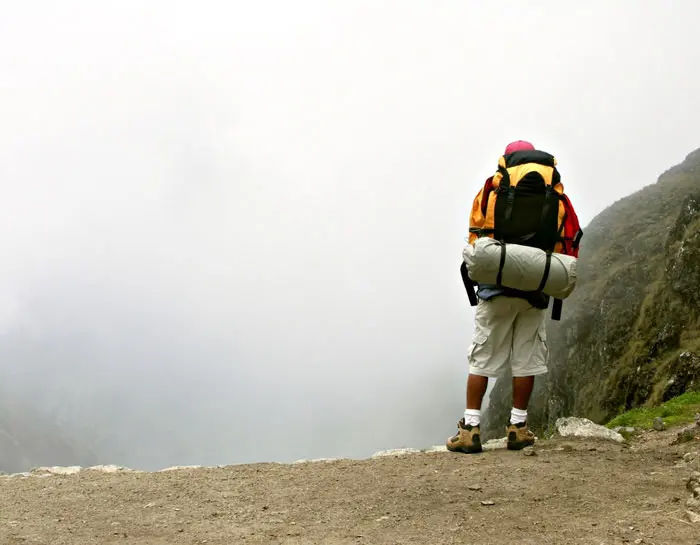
{"x": 659, "y": 424}
{"x": 693, "y": 517}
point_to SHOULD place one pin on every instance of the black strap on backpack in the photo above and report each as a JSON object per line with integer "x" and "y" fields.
{"x": 468, "y": 284}
{"x": 556, "y": 309}
{"x": 545, "y": 276}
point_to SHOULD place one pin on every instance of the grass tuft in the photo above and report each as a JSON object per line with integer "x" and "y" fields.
{"x": 679, "y": 410}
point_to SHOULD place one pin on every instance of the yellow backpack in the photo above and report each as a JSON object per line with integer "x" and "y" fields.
{"x": 523, "y": 203}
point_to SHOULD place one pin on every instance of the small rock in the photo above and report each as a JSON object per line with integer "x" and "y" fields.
{"x": 659, "y": 424}
{"x": 494, "y": 444}
{"x": 149, "y": 504}
{"x": 638, "y": 541}
{"x": 685, "y": 436}
{"x": 690, "y": 457}
{"x": 697, "y": 419}
{"x": 693, "y": 480}
{"x": 582, "y": 427}
{"x": 529, "y": 451}
{"x": 487, "y": 502}
{"x": 693, "y": 517}
{"x": 474, "y": 487}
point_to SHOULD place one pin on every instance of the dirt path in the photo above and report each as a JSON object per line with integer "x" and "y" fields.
{"x": 571, "y": 492}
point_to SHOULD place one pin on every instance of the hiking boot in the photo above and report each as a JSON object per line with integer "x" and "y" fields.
{"x": 467, "y": 439}
{"x": 519, "y": 436}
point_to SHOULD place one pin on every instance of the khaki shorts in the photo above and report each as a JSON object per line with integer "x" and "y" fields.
{"x": 507, "y": 331}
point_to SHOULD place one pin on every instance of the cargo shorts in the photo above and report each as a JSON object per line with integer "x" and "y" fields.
{"x": 508, "y": 331}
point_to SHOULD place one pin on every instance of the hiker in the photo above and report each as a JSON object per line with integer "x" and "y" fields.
{"x": 509, "y": 323}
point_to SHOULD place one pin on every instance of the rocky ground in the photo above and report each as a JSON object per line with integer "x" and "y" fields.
{"x": 568, "y": 491}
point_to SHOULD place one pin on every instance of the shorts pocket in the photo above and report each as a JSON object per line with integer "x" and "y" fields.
{"x": 476, "y": 347}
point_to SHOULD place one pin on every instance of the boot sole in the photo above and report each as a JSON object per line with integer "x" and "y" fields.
{"x": 466, "y": 450}
{"x": 519, "y": 445}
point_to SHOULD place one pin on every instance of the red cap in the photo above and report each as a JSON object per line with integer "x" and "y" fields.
{"x": 519, "y": 145}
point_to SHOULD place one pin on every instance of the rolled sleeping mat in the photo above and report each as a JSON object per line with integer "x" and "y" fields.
{"x": 520, "y": 267}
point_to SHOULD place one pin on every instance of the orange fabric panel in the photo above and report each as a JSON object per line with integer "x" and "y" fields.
{"x": 489, "y": 222}
{"x": 476, "y": 220}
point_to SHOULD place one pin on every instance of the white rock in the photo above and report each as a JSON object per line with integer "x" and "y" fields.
{"x": 395, "y": 452}
{"x": 437, "y": 448}
{"x": 58, "y": 470}
{"x": 177, "y": 468}
{"x": 111, "y": 469}
{"x": 494, "y": 444}
{"x": 582, "y": 427}
{"x": 315, "y": 461}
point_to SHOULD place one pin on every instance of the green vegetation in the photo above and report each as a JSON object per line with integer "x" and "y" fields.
{"x": 678, "y": 410}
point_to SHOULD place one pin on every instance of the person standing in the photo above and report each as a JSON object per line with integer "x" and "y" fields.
{"x": 510, "y": 329}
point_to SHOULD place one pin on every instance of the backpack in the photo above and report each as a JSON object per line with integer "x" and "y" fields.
{"x": 524, "y": 203}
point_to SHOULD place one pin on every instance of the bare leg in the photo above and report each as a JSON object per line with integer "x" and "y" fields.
{"x": 476, "y": 389}
{"x": 522, "y": 390}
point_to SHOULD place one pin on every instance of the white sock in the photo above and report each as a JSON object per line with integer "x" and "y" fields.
{"x": 472, "y": 417}
{"x": 518, "y": 416}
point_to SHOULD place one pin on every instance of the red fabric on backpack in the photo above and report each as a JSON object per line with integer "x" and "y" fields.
{"x": 571, "y": 228}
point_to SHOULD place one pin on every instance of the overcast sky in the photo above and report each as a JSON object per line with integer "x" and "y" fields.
{"x": 231, "y": 230}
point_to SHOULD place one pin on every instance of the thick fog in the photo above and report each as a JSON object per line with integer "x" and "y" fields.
{"x": 231, "y": 231}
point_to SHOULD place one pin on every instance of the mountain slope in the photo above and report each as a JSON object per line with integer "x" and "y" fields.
{"x": 630, "y": 333}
